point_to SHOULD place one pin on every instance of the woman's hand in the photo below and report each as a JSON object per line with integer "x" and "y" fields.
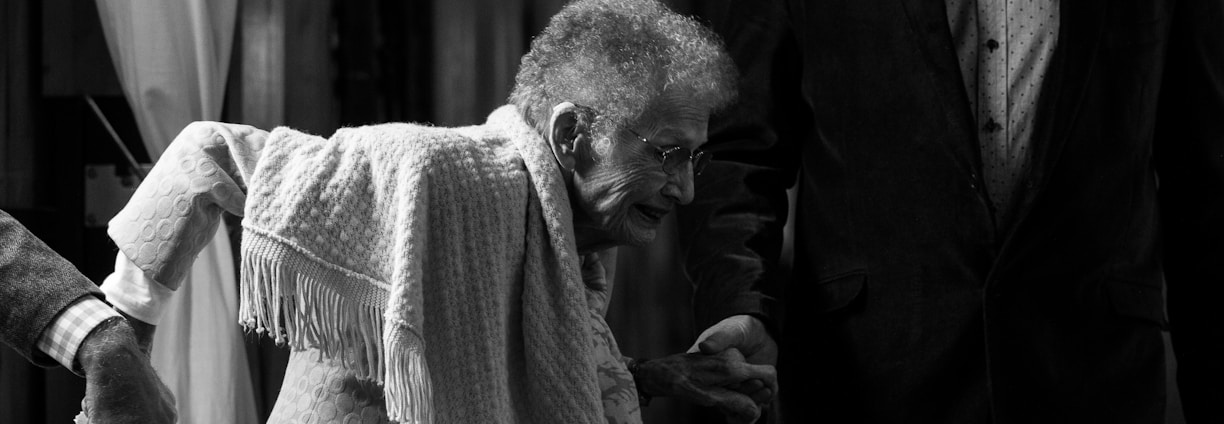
{"x": 724, "y": 381}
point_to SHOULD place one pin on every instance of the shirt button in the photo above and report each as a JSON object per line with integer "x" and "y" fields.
{"x": 991, "y": 126}
{"x": 992, "y": 44}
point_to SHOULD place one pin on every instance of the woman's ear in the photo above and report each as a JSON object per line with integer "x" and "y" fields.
{"x": 563, "y": 135}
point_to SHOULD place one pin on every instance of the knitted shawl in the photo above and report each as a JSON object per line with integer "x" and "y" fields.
{"x": 439, "y": 262}
{"x": 434, "y": 261}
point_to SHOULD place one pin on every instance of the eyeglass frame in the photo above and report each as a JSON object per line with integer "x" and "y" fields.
{"x": 693, "y": 157}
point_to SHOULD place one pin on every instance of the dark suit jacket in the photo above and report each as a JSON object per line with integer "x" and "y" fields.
{"x": 36, "y": 284}
{"x": 907, "y": 302}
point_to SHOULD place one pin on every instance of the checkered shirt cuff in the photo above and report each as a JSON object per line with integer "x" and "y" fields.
{"x": 62, "y": 339}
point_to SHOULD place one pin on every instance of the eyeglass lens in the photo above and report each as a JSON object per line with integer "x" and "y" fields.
{"x": 675, "y": 157}
{"x": 674, "y": 160}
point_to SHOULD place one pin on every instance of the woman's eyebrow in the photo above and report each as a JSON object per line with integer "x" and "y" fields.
{"x": 669, "y": 138}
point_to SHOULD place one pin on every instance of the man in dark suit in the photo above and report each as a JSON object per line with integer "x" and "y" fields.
{"x": 51, "y": 313}
{"x": 991, "y": 197}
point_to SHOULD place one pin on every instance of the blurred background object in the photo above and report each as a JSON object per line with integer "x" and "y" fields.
{"x": 315, "y": 66}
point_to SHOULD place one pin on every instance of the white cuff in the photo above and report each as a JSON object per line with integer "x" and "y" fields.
{"x": 131, "y": 291}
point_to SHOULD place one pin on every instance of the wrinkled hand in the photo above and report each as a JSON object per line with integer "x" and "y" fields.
{"x": 143, "y": 330}
{"x": 724, "y": 381}
{"x": 120, "y": 384}
{"x": 743, "y": 332}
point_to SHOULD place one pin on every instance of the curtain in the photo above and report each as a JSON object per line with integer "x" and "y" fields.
{"x": 172, "y": 58}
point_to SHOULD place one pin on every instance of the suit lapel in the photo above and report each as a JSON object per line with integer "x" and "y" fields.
{"x": 929, "y": 21}
{"x": 1081, "y": 27}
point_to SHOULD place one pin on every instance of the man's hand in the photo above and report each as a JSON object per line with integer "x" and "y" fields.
{"x": 742, "y": 332}
{"x": 724, "y": 381}
{"x": 120, "y": 384}
{"x": 143, "y": 330}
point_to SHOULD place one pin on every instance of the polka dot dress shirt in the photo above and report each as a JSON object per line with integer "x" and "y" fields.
{"x": 1004, "y": 48}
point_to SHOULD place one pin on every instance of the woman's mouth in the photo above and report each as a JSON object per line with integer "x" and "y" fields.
{"x": 652, "y": 213}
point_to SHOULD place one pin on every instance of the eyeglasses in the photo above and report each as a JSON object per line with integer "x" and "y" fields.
{"x": 673, "y": 158}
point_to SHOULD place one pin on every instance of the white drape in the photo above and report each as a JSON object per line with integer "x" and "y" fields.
{"x": 172, "y": 57}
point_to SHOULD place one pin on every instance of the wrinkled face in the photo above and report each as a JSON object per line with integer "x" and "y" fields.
{"x": 620, "y": 187}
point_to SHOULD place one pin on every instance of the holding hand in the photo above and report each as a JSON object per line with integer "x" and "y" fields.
{"x": 120, "y": 384}
{"x": 724, "y": 380}
{"x": 743, "y": 332}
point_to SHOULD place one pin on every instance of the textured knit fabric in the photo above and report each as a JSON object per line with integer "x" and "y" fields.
{"x": 395, "y": 246}
{"x": 62, "y": 339}
{"x": 398, "y": 249}
{"x": 36, "y": 285}
{"x": 1004, "y": 48}
{"x": 316, "y": 391}
{"x": 176, "y": 210}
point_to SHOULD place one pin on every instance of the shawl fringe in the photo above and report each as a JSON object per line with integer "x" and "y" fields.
{"x": 295, "y": 298}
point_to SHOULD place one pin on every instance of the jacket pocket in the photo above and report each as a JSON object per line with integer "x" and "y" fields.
{"x": 1142, "y": 300}
{"x": 835, "y": 292}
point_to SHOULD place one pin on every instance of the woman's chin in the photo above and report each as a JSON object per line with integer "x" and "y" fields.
{"x": 638, "y": 236}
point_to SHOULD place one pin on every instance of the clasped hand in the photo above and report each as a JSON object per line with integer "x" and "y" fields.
{"x": 715, "y": 372}
{"x": 120, "y": 383}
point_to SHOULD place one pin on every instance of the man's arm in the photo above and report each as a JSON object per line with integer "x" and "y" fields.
{"x": 733, "y": 230}
{"x": 36, "y": 285}
{"x": 50, "y": 312}
{"x": 1189, "y": 152}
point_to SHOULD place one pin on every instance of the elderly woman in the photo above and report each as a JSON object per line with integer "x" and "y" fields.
{"x": 427, "y": 274}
